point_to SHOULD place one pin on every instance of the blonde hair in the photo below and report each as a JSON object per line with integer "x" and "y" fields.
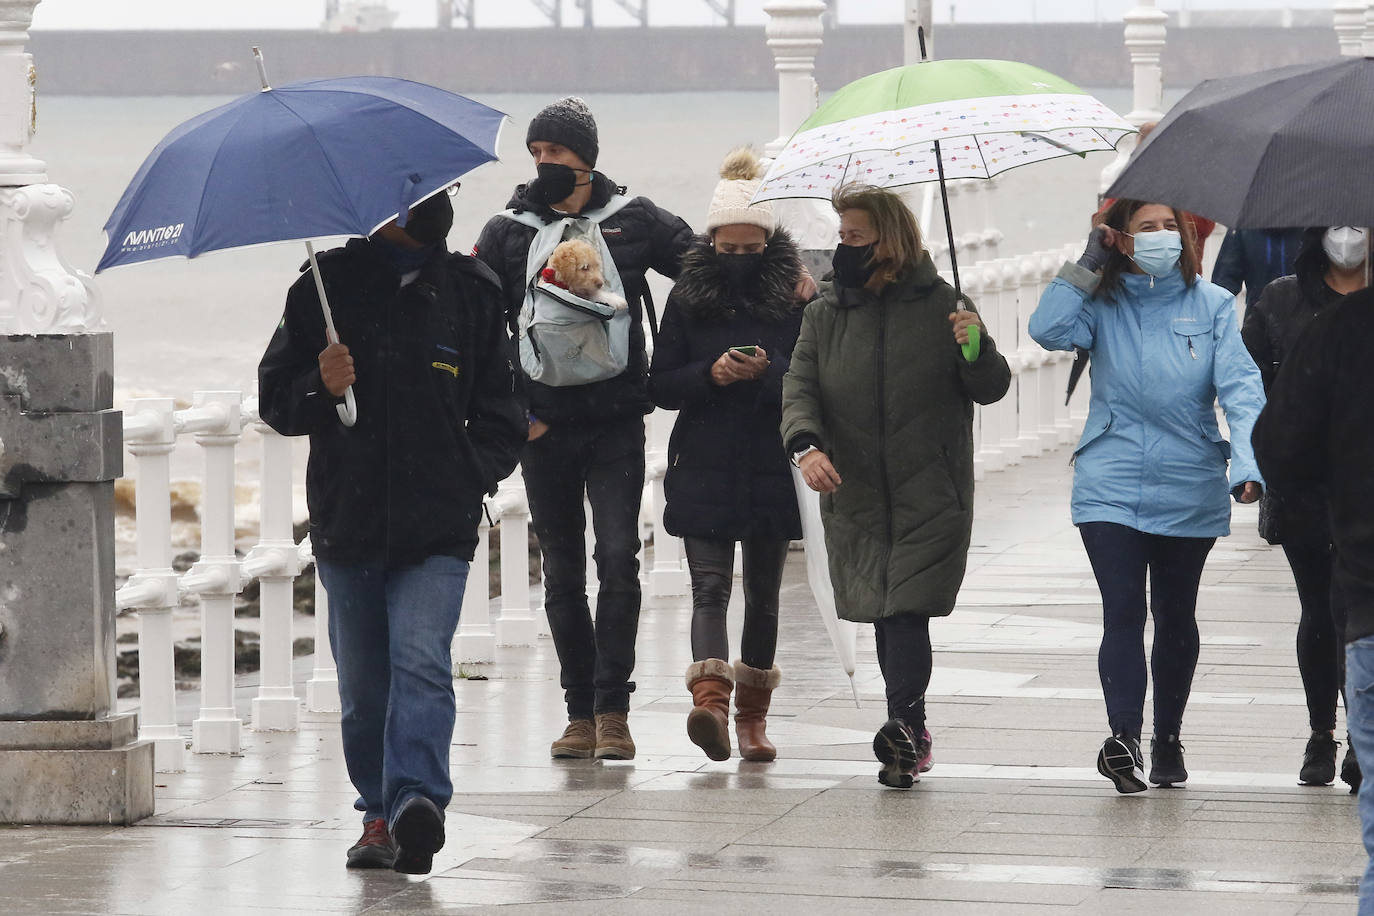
{"x": 899, "y": 243}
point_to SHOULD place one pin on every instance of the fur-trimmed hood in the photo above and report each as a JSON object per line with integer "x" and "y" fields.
{"x": 702, "y": 293}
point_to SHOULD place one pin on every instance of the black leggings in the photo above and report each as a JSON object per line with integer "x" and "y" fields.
{"x": 711, "y": 565}
{"x": 1120, "y": 558}
{"x": 1321, "y": 637}
{"x": 904, "y": 658}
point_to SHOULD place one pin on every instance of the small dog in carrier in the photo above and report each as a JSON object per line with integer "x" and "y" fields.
{"x": 576, "y": 266}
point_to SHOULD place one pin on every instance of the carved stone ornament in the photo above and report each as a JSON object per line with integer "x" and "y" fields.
{"x": 40, "y": 293}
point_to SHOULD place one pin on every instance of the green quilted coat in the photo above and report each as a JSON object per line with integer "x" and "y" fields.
{"x": 879, "y": 384}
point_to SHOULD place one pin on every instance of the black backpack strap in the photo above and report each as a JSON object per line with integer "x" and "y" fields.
{"x": 653, "y": 313}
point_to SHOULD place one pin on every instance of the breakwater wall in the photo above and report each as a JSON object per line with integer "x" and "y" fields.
{"x": 621, "y": 59}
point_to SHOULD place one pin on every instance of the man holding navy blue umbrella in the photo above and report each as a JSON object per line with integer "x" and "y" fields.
{"x": 395, "y": 500}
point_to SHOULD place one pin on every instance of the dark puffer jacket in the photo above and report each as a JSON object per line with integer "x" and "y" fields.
{"x": 728, "y": 476}
{"x": 879, "y": 384}
{"x": 439, "y": 424}
{"x": 641, "y": 237}
{"x": 1315, "y": 430}
{"x": 1272, "y": 328}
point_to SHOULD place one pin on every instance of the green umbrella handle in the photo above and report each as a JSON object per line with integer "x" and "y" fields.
{"x": 971, "y": 348}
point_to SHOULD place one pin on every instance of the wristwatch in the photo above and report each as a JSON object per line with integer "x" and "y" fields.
{"x": 798, "y": 456}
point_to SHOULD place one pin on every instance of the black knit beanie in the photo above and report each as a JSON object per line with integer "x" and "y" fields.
{"x": 568, "y": 122}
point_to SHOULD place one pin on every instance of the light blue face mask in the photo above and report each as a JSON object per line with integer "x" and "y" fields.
{"x": 1157, "y": 252}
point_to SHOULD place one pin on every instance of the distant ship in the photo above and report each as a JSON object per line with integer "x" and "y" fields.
{"x": 350, "y": 16}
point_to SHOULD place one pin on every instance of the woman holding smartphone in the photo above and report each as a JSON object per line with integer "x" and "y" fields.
{"x": 727, "y": 336}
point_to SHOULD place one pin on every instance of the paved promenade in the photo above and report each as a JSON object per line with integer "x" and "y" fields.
{"x": 1013, "y": 819}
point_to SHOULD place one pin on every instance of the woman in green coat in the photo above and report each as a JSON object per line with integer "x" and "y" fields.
{"x": 877, "y": 411}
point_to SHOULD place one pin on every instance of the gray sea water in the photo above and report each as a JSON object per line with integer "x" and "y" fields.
{"x": 186, "y": 325}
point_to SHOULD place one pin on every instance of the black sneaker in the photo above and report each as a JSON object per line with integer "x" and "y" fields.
{"x": 1319, "y": 760}
{"x": 1350, "y": 768}
{"x": 1120, "y": 761}
{"x": 1166, "y": 761}
{"x": 419, "y": 833}
{"x": 895, "y": 747}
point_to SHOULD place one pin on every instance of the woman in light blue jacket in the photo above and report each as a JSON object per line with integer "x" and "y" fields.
{"x": 1150, "y": 488}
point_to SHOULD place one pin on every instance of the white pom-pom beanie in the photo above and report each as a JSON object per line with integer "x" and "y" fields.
{"x": 739, "y": 180}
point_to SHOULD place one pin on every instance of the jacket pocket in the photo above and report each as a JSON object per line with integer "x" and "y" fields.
{"x": 1092, "y": 431}
{"x": 1195, "y": 338}
{"x": 1215, "y": 437}
{"x": 953, "y": 477}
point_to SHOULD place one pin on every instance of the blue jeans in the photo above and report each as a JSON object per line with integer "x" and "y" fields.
{"x": 1359, "y": 714}
{"x": 391, "y": 630}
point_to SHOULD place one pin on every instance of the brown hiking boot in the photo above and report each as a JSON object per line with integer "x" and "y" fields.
{"x": 753, "y": 693}
{"x": 708, "y": 724}
{"x": 613, "y": 741}
{"x": 578, "y": 741}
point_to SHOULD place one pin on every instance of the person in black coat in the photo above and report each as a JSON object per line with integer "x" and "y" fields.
{"x": 728, "y": 332}
{"x": 1315, "y": 432}
{"x": 1329, "y": 266}
{"x": 395, "y": 499}
{"x": 586, "y": 442}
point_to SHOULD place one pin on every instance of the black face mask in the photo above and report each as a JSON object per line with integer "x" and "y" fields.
{"x": 555, "y": 184}
{"x": 403, "y": 259}
{"x": 740, "y": 271}
{"x": 430, "y": 220}
{"x": 853, "y": 264}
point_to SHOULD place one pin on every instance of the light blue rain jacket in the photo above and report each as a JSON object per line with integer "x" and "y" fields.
{"x": 1151, "y": 456}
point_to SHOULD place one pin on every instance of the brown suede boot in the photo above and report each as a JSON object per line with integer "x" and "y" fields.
{"x": 613, "y": 741}
{"x": 708, "y": 724}
{"x": 578, "y": 740}
{"x": 754, "y": 690}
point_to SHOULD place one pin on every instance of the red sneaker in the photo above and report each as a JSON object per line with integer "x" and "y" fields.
{"x": 375, "y": 848}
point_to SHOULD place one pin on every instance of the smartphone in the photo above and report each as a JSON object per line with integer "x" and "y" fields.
{"x": 747, "y": 351}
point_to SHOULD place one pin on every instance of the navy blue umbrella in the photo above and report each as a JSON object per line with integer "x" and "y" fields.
{"x": 307, "y": 160}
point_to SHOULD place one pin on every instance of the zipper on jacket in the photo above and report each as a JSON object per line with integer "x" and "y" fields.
{"x": 881, "y": 363}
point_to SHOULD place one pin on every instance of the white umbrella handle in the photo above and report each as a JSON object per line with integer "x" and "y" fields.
{"x": 348, "y": 410}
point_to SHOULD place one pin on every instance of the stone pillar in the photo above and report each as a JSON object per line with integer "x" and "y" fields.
{"x": 65, "y": 757}
{"x": 794, "y": 33}
{"x": 1367, "y": 36}
{"x": 1348, "y": 17}
{"x": 1145, "y": 41}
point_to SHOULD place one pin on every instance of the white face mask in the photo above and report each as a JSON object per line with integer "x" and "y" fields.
{"x": 1345, "y": 246}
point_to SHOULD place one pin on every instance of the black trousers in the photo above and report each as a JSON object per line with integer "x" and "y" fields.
{"x": 904, "y": 658}
{"x": 1121, "y": 557}
{"x": 711, "y": 564}
{"x": 1321, "y": 627}
{"x": 605, "y": 463}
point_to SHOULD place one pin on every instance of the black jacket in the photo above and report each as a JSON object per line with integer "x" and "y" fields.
{"x": 641, "y": 237}
{"x": 728, "y": 476}
{"x": 439, "y": 423}
{"x": 1255, "y": 257}
{"x": 1271, "y": 330}
{"x": 1315, "y": 430}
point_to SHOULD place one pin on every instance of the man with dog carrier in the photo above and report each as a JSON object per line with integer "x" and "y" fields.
{"x": 585, "y": 377}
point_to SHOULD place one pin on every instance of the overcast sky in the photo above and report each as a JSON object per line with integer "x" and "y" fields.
{"x": 306, "y": 14}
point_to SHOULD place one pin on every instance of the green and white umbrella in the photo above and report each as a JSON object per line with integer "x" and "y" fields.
{"x": 967, "y": 118}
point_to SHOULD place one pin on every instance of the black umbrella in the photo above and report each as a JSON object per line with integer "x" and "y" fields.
{"x": 1283, "y": 147}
